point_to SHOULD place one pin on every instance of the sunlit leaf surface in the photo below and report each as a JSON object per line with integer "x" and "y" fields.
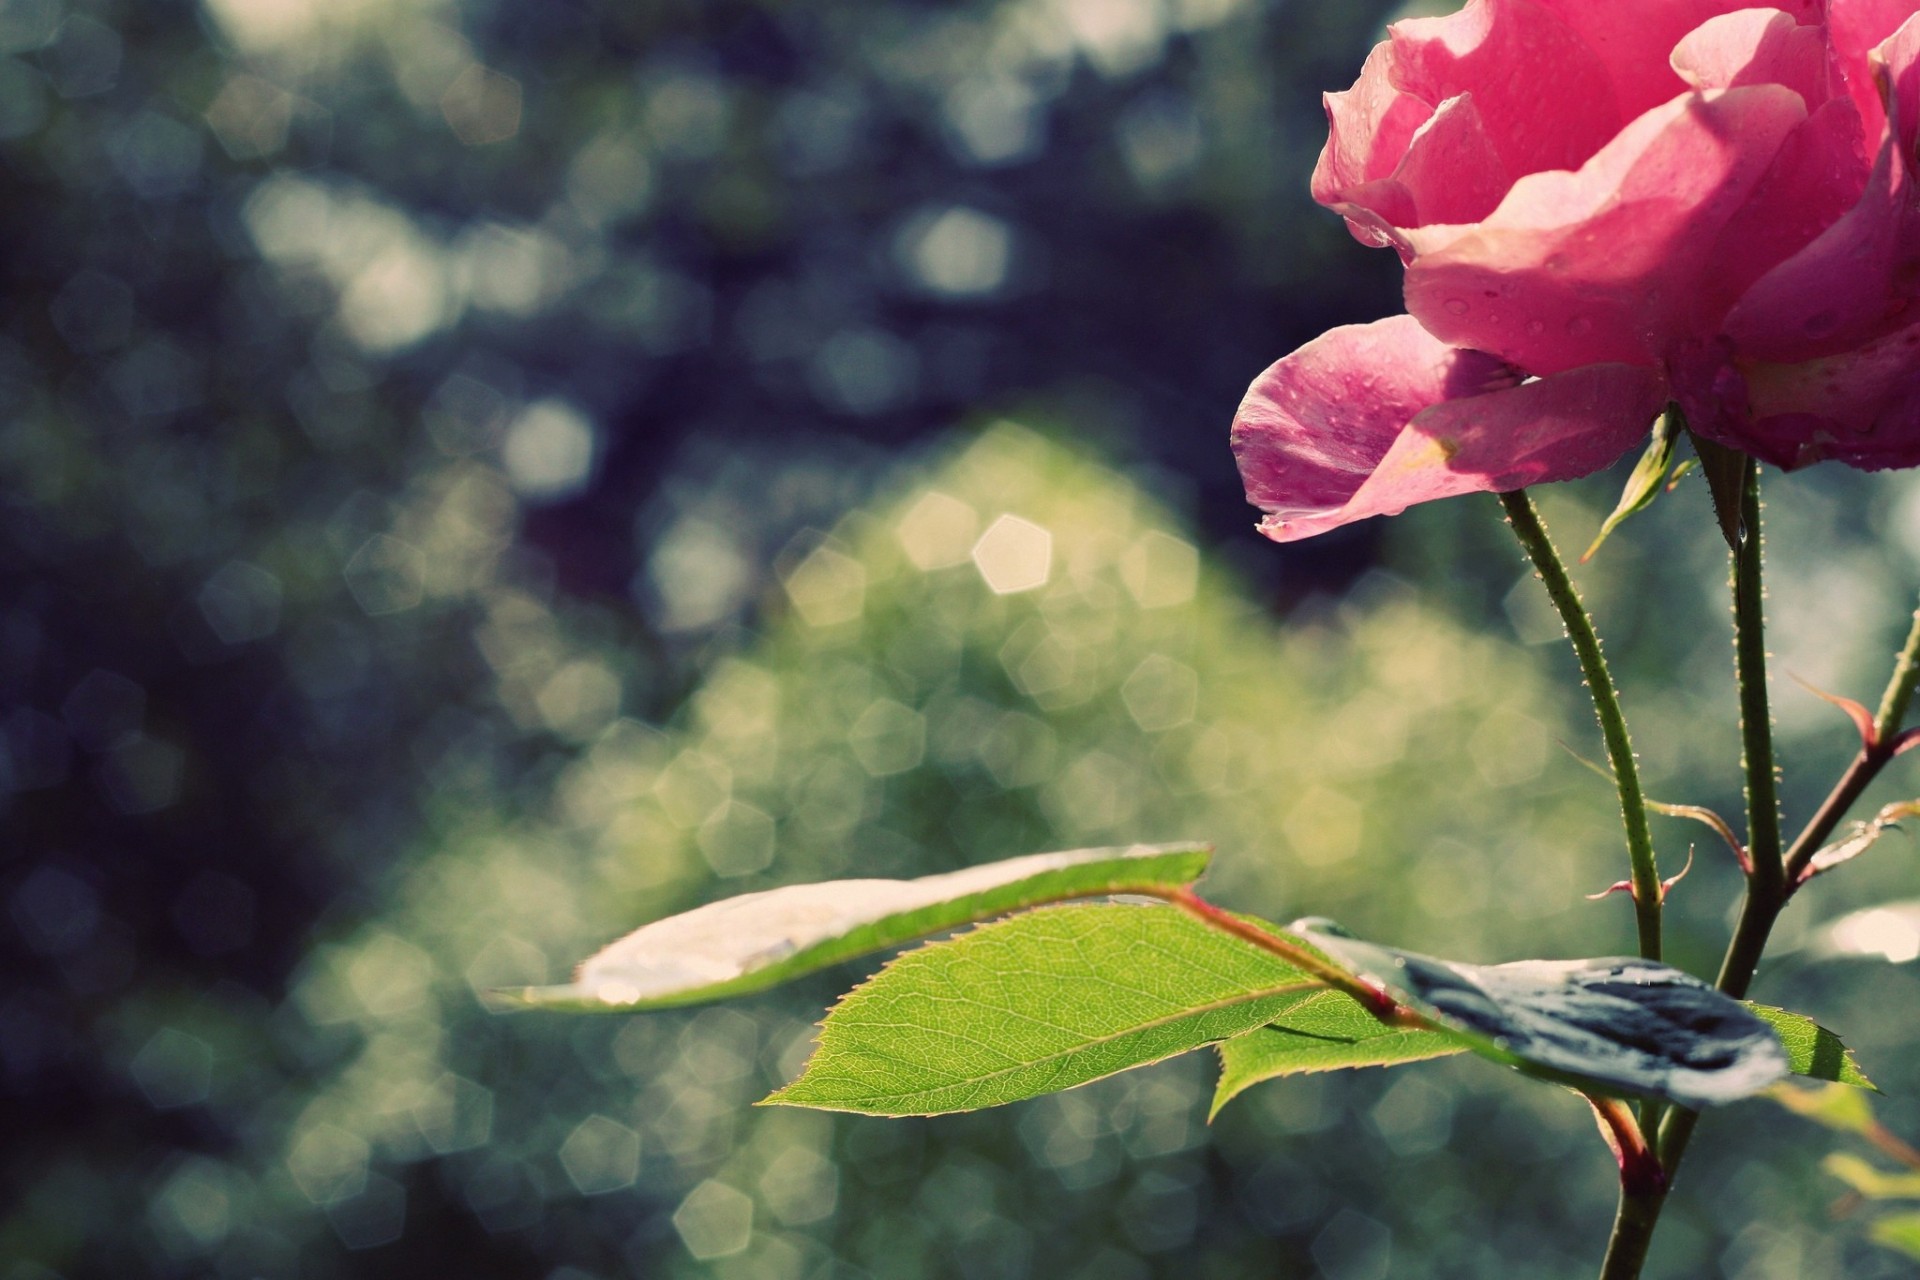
{"x": 1038, "y": 1003}
{"x": 1812, "y": 1050}
{"x": 754, "y": 941}
{"x": 1323, "y": 1031}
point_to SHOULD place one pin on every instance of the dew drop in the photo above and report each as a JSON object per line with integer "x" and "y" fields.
{"x": 1579, "y": 327}
{"x": 1821, "y": 323}
{"x": 1536, "y": 327}
{"x": 1456, "y": 306}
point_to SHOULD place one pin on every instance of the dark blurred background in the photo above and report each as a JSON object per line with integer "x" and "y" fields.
{"x": 475, "y": 477}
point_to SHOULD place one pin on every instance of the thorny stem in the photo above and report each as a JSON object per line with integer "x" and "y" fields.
{"x": 1526, "y": 523}
{"x": 1775, "y": 876}
{"x": 1768, "y": 877}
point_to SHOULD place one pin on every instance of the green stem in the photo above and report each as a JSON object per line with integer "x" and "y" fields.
{"x": 1906, "y": 669}
{"x": 1759, "y": 911}
{"x": 1633, "y": 1226}
{"x": 1756, "y": 717}
{"x": 1525, "y": 520}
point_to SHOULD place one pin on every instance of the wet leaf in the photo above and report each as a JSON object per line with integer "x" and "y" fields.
{"x": 758, "y": 940}
{"x": 1037, "y": 1003}
{"x": 1322, "y": 1031}
{"x": 1619, "y": 1025}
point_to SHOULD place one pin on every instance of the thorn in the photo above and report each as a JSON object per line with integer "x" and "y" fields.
{"x": 1677, "y": 877}
{"x": 1861, "y": 717}
{"x": 1626, "y": 886}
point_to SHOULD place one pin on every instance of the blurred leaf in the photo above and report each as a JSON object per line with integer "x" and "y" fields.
{"x": 758, "y": 940}
{"x": 1890, "y": 931}
{"x": 1899, "y": 1231}
{"x": 1643, "y": 486}
{"x": 1617, "y": 1025}
{"x": 1874, "y": 1184}
{"x": 1836, "y": 1106}
{"x": 1323, "y": 1031}
{"x": 1039, "y": 1003}
{"x": 1812, "y": 1050}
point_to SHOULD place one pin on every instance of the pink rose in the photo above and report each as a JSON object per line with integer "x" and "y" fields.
{"x": 1604, "y": 205}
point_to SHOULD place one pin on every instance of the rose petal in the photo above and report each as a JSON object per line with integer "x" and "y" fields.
{"x": 1855, "y": 28}
{"x": 1503, "y": 52}
{"x": 1449, "y": 174}
{"x": 1819, "y": 174}
{"x": 1857, "y": 279}
{"x": 1603, "y": 265}
{"x": 1756, "y": 46}
{"x": 1315, "y": 424}
{"x": 1861, "y": 407}
{"x": 1368, "y": 130}
{"x": 1632, "y": 39}
{"x": 1559, "y": 428}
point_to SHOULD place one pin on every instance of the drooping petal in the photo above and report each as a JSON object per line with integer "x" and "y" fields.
{"x": 1860, "y": 277}
{"x": 1503, "y": 52}
{"x": 1756, "y": 46}
{"x": 1861, "y": 407}
{"x": 1633, "y": 38}
{"x": 1315, "y": 424}
{"x": 1558, "y": 428}
{"x": 1603, "y": 265}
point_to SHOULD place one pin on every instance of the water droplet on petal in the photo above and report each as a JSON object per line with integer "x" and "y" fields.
{"x": 1536, "y": 327}
{"x": 1579, "y": 327}
{"x": 1456, "y": 306}
{"x": 1821, "y": 323}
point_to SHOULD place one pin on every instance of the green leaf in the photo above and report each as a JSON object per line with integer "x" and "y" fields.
{"x": 1899, "y": 1231}
{"x": 1649, "y": 474}
{"x": 1874, "y": 1184}
{"x": 1617, "y": 1025}
{"x": 1038, "y": 1003}
{"x": 1812, "y": 1050}
{"x": 749, "y": 943}
{"x": 1835, "y": 1106}
{"x": 1322, "y": 1031}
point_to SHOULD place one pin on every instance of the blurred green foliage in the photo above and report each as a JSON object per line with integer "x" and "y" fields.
{"x": 464, "y": 492}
